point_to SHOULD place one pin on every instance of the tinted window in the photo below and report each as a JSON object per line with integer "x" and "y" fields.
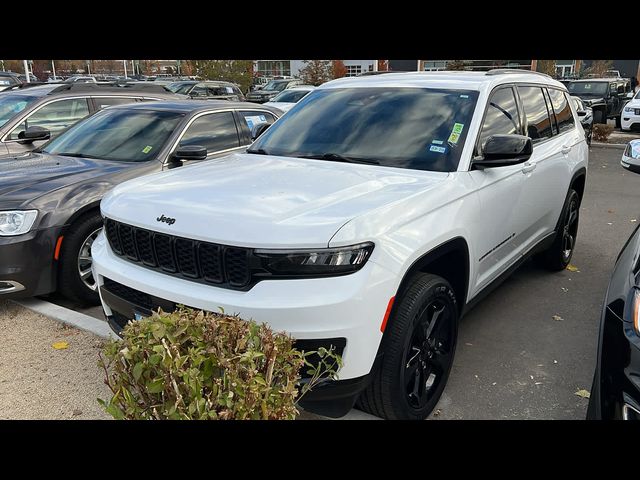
{"x": 290, "y": 96}
{"x": 535, "y": 109}
{"x": 562, "y": 110}
{"x": 255, "y": 118}
{"x": 55, "y": 117}
{"x": 501, "y": 116}
{"x": 588, "y": 88}
{"x": 216, "y": 131}
{"x": 11, "y": 105}
{"x": 417, "y": 128}
{"x": 200, "y": 90}
{"x": 118, "y": 134}
{"x": 105, "y": 102}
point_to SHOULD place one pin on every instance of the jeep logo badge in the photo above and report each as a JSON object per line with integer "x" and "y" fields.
{"x": 167, "y": 220}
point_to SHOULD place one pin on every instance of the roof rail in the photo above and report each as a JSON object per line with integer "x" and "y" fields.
{"x": 20, "y": 86}
{"x": 502, "y": 71}
{"x": 112, "y": 86}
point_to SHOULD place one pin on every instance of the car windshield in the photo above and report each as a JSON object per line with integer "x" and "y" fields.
{"x": 588, "y": 88}
{"x": 417, "y": 128}
{"x": 180, "y": 87}
{"x": 290, "y": 96}
{"x": 10, "y": 105}
{"x": 275, "y": 86}
{"x": 118, "y": 134}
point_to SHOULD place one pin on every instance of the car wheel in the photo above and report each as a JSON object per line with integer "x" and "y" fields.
{"x": 419, "y": 345}
{"x": 559, "y": 254}
{"x": 618, "y": 122}
{"x": 75, "y": 280}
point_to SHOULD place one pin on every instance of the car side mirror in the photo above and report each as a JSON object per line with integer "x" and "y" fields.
{"x": 631, "y": 157}
{"x": 582, "y": 113}
{"x": 187, "y": 152}
{"x": 34, "y": 134}
{"x": 258, "y": 130}
{"x": 630, "y": 95}
{"x": 504, "y": 150}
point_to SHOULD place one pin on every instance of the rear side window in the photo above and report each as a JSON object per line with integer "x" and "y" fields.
{"x": 216, "y": 131}
{"x": 538, "y": 122}
{"x": 501, "y": 117}
{"x": 562, "y": 110}
{"x": 105, "y": 102}
{"x": 254, "y": 118}
{"x": 56, "y": 116}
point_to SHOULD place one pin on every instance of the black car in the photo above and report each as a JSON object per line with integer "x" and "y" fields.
{"x": 28, "y": 109}
{"x": 271, "y": 89}
{"x": 216, "y": 90}
{"x": 615, "y": 393}
{"x": 586, "y": 117}
{"x": 49, "y": 198}
{"x": 606, "y": 96}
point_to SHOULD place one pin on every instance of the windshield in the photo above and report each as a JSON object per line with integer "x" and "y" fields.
{"x": 10, "y": 105}
{"x": 588, "y": 88}
{"x": 417, "y": 128}
{"x": 273, "y": 85}
{"x": 118, "y": 134}
{"x": 290, "y": 96}
{"x": 180, "y": 87}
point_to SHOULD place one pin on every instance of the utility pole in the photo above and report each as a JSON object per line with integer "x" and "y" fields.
{"x": 89, "y": 67}
{"x": 26, "y": 70}
{"x": 124, "y": 62}
{"x": 53, "y": 67}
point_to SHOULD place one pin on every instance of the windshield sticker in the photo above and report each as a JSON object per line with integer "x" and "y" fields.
{"x": 457, "y": 128}
{"x": 464, "y": 96}
{"x": 587, "y": 86}
{"x": 253, "y": 120}
{"x": 437, "y": 142}
{"x": 229, "y": 89}
{"x": 453, "y": 138}
{"x": 147, "y": 149}
{"x": 437, "y": 149}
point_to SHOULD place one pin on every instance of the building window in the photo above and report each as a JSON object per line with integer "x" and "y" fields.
{"x": 434, "y": 65}
{"x": 353, "y": 70}
{"x": 273, "y": 68}
{"x": 565, "y": 68}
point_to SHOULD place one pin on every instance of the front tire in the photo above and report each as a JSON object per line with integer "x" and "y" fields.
{"x": 419, "y": 347}
{"x": 559, "y": 254}
{"x": 618, "y": 122}
{"x": 75, "y": 280}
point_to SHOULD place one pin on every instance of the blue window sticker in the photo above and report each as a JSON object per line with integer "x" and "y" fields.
{"x": 435, "y": 148}
{"x": 464, "y": 96}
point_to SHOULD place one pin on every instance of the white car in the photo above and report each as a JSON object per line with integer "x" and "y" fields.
{"x": 368, "y": 219}
{"x": 288, "y": 98}
{"x": 630, "y": 117}
{"x": 631, "y": 156}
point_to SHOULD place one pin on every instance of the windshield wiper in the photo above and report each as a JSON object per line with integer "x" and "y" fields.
{"x": 259, "y": 151}
{"x": 75, "y": 155}
{"x": 336, "y": 157}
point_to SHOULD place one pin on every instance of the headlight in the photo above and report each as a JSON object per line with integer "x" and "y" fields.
{"x": 628, "y": 109}
{"x": 316, "y": 262}
{"x": 16, "y": 222}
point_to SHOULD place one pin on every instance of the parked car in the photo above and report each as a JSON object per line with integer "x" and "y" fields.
{"x": 615, "y": 393}
{"x": 81, "y": 79}
{"x": 32, "y": 78}
{"x": 368, "y": 218}
{"x": 55, "y": 107}
{"x": 49, "y": 215}
{"x": 631, "y": 113}
{"x": 216, "y": 90}
{"x": 271, "y": 89}
{"x": 586, "y": 117}
{"x": 258, "y": 83}
{"x": 606, "y": 96}
{"x": 9, "y": 79}
{"x": 289, "y": 97}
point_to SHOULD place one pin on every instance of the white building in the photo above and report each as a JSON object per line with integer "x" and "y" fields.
{"x": 272, "y": 68}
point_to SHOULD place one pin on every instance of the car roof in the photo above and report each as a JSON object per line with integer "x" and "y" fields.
{"x": 189, "y": 106}
{"x": 468, "y": 80}
{"x": 600, "y": 79}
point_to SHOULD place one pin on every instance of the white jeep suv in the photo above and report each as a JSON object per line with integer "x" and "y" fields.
{"x": 369, "y": 218}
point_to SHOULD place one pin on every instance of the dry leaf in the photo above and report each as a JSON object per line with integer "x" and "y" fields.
{"x": 555, "y": 361}
{"x": 583, "y": 393}
{"x": 494, "y": 383}
{"x": 60, "y": 345}
{"x": 538, "y": 383}
{"x": 633, "y": 220}
{"x": 470, "y": 344}
{"x": 557, "y": 318}
{"x": 437, "y": 412}
{"x": 531, "y": 377}
{"x": 573, "y": 268}
{"x": 609, "y": 223}
{"x": 565, "y": 289}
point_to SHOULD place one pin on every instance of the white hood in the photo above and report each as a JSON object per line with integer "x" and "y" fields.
{"x": 262, "y": 201}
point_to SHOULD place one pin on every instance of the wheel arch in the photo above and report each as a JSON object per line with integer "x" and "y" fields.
{"x": 578, "y": 181}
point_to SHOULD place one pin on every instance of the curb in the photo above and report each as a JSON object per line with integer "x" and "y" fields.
{"x": 70, "y": 317}
{"x": 618, "y": 146}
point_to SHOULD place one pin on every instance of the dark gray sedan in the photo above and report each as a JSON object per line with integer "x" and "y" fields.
{"x": 49, "y": 198}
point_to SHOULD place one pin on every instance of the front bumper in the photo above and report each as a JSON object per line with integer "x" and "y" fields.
{"x": 27, "y": 260}
{"x": 350, "y": 307}
{"x": 629, "y": 120}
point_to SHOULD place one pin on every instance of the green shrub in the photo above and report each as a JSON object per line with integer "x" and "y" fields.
{"x": 195, "y": 365}
{"x": 601, "y": 132}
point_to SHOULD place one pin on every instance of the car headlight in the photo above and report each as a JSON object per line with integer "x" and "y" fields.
{"x": 628, "y": 109}
{"x": 315, "y": 262}
{"x": 16, "y": 222}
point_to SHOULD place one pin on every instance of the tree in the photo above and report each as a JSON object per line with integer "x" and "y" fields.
{"x": 316, "y": 72}
{"x": 383, "y": 65}
{"x": 546, "y": 66}
{"x": 235, "y": 71}
{"x": 599, "y": 67}
{"x": 456, "y": 65}
{"x": 339, "y": 69}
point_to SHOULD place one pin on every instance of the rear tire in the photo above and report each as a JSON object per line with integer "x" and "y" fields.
{"x": 618, "y": 122}
{"x": 74, "y": 281}
{"x": 419, "y": 346}
{"x": 559, "y": 254}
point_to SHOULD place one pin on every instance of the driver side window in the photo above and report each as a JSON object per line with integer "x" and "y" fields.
{"x": 55, "y": 117}
{"x": 501, "y": 116}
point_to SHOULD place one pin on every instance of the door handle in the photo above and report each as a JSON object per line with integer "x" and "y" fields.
{"x": 528, "y": 167}
{"x": 566, "y": 149}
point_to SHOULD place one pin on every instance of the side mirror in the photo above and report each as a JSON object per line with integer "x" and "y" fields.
{"x": 631, "y": 157}
{"x": 187, "y": 152}
{"x": 258, "y": 130}
{"x": 582, "y": 113}
{"x": 34, "y": 134}
{"x": 630, "y": 95}
{"x": 504, "y": 150}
